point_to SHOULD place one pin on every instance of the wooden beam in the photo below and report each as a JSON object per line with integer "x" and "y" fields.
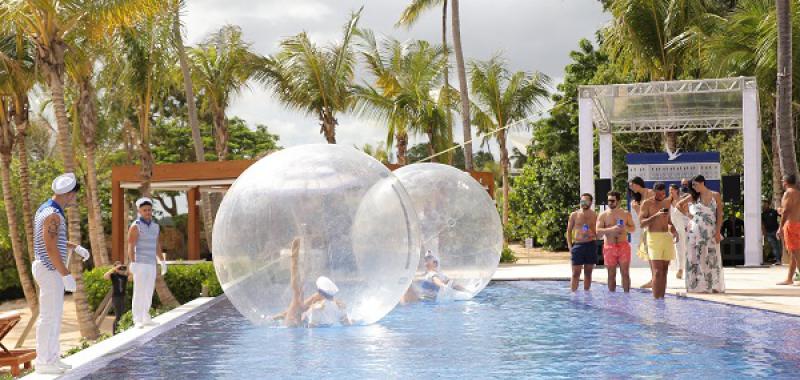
{"x": 189, "y": 171}
{"x": 193, "y": 227}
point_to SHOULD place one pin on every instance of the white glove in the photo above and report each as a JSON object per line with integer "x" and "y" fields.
{"x": 69, "y": 283}
{"x": 163, "y": 268}
{"x": 82, "y": 252}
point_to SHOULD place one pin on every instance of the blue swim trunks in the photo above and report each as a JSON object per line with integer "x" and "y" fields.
{"x": 584, "y": 253}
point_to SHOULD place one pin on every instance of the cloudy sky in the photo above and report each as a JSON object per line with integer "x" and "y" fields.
{"x": 533, "y": 35}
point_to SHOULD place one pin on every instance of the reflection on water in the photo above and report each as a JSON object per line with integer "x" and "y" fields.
{"x": 511, "y": 330}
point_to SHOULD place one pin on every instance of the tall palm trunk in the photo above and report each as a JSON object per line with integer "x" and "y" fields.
{"x": 504, "y": 164}
{"x": 88, "y": 116}
{"x": 6, "y": 147}
{"x": 402, "y": 146}
{"x": 221, "y": 134}
{"x": 777, "y": 187}
{"x": 146, "y": 173}
{"x": 447, "y": 84}
{"x": 431, "y": 143}
{"x": 21, "y": 121}
{"x": 53, "y": 68}
{"x": 328, "y": 126}
{"x": 194, "y": 124}
{"x": 462, "y": 84}
{"x": 783, "y": 109}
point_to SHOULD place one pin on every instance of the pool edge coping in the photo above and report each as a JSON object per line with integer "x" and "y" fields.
{"x": 101, "y": 353}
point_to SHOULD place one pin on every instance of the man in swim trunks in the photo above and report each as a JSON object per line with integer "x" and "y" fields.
{"x": 790, "y": 223}
{"x": 581, "y": 237}
{"x": 614, "y": 225}
{"x": 660, "y": 236}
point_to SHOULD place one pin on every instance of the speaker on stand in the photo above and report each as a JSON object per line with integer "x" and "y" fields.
{"x": 601, "y": 188}
{"x": 732, "y": 188}
{"x": 732, "y": 247}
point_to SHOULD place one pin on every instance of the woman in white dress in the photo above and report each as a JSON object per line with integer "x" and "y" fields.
{"x": 704, "y": 272}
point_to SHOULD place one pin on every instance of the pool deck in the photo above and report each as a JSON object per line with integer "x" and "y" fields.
{"x": 749, "y": 287}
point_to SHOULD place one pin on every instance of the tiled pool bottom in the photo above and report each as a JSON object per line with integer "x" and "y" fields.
{"x": 511, "y": 330}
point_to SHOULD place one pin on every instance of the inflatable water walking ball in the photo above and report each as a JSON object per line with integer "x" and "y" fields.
{"x": 325, "y": 223}
{"x": 460, "y": 227}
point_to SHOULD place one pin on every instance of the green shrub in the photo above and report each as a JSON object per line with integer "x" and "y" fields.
{"x": 84, "y": 344}
{"x": 507, "y": 256}
{"x": 213, "y": 287}
{"x": 97, "y": 287}
{"x": 544, "y": 195}
{"x": 9, "y": 278}
{"x": 185, "y": 281}
{"x": 126, "y": 321}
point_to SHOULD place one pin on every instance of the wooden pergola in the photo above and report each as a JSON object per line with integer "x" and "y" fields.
{"x": 192, "y": 177}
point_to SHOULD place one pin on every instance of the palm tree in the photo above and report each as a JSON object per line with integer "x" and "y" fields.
{"x": 191, "y": 108}
{"x": 48, "y": 24}
{"x": 409, "y": 17}
{"x": 377, "y": 151}
{"x": 17, "y": 56}
{"x": 145, "y": 68}
{"x": 462, "y": 83}
{"x": 746, "y": 45}
{"x": 501, "y": 99}
{"x": 407, "y": 77}
{"x": 783, "y": 107}
{"x": 80, "y": 68}
{"x": 7, "y": 137}
{"x": 315, "y": 80}
{"x": 222, "y": 65}
{"x": 660, "y": 40}
{"x": 144, "y": 60}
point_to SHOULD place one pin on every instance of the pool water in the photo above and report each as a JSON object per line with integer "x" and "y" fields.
{"x": 511, "y": 330}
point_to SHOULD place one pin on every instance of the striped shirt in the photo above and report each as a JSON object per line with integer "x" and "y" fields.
{"x": 147, "y": 243}
{"x": 40, "y": 251}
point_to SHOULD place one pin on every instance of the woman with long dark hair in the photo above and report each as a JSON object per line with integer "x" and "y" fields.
{"x": 704, "y": 272}
{"x": 640, "y": 193}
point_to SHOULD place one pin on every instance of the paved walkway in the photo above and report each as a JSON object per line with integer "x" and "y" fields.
{"x": 70, "y": 334}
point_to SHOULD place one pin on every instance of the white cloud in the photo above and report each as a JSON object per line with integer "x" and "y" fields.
{"x": 532, "y": 35}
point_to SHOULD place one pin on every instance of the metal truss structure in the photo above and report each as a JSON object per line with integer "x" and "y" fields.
{"x": 674, "y": 106}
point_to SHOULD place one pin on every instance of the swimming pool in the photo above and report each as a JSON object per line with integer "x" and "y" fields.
{"x": 511, "y": 330}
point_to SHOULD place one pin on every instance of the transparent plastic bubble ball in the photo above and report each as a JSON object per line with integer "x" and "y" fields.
{"x": 461, "y": 229}
{"x": 316, "y": 235}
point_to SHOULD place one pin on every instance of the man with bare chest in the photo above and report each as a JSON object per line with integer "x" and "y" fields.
{"x": 581, "y": 237}
{"x": 790, "y": 221}
{"x": 614, "y": 225}
{"x": 660, "y": 237}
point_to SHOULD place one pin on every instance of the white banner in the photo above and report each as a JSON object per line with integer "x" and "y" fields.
{"x": 675, "y": 172}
